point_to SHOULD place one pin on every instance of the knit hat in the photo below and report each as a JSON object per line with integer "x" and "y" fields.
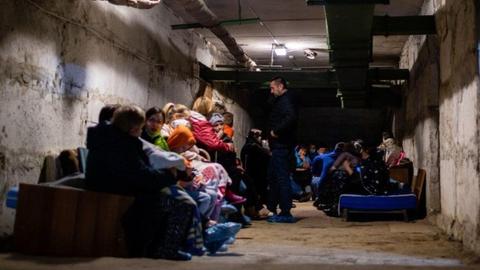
{"x": 216, "y": 118}
{"x": 181, "y": 136}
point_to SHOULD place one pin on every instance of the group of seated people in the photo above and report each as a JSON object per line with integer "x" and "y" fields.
{"x": 180, "y": 165}
{"x": 192, "y": 193}
{"x": 351, "y": 167}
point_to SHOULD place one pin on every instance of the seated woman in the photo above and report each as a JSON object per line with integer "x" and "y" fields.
{"x": 368, "y": 175}
{"x": 153, "y": 127}
{"x": 203, "y": 130}
{"x": 157, "y": 225}
{"x": 320, "y": 168}
{"x": 337, "y": 177}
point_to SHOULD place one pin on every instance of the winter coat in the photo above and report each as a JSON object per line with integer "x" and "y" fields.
{"x": 156, "y": 139}
{"x": 255, "y": 159}
{"x": 205, "y": 134}
{"x": 283, "y": 120}
{"x": 116, "y": 163}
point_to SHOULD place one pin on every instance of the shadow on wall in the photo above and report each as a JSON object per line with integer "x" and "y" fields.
{"x": 78, "y": 44}
{"x": 446, "y": 64}
{"x": 421, "y": 100}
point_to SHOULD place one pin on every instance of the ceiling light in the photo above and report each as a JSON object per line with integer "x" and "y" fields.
{"x": 258, "y": 69}
{"x": 280, "y": 49}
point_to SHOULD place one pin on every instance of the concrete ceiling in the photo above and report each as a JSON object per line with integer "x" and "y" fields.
{"x": 299, "y": 27}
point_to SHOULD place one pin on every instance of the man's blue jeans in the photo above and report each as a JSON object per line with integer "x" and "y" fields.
{"x": 280, "y": 191}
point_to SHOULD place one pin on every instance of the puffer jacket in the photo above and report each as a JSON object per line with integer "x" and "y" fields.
{"x": 205, "y": 134}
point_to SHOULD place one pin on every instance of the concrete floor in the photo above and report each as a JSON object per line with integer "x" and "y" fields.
{"x": 315, "y": 242}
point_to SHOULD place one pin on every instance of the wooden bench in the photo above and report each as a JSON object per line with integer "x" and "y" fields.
{"x": 62, "y": 221}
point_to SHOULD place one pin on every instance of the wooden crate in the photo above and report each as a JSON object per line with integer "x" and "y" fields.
{"x": 61, "y": 221}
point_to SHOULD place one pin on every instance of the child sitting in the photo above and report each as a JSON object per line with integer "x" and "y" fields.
{"x": 157, "y": 224}
{"x": 153, "y": 126}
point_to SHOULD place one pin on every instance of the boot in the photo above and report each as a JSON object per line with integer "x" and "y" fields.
{"x": 234, "y": 198}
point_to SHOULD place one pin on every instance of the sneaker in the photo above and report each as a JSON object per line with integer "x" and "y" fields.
{"x": 282, "y": 219}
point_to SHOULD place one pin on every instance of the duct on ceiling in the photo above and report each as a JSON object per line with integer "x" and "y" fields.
{"x": 203, "y": 15}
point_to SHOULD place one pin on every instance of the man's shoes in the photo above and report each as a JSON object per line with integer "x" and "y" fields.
{"x": 282, "y": 219}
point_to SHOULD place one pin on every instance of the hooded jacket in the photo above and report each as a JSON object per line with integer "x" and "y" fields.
{"x": 116, "y": 163}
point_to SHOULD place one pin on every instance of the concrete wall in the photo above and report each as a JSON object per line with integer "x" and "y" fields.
{"x": 441, "y": 112}
{"x": 61, "y": 61}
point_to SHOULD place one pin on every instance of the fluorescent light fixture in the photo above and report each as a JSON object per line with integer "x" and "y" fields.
{"x": 280, "y": 49}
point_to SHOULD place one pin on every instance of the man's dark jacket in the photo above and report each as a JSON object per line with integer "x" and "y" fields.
{"x": 283, "y": 120}
{"x": 117, "y": 164}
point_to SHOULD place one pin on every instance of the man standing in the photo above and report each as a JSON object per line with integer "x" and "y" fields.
{"x": 282, "y": 125}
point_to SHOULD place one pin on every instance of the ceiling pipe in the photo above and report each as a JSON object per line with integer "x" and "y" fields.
{"x": 203, "y": 15}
